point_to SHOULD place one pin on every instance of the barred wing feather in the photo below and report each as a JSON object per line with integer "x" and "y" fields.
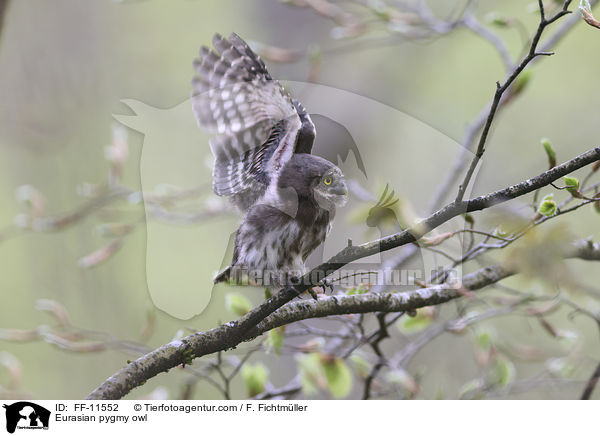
{"x": 257, "y": 124}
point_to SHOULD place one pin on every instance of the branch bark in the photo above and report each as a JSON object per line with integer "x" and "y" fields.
{"x": 404, "y": 301}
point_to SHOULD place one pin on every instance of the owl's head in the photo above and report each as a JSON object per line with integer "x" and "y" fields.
{"x": 316, "y": 178}
{"x": 331, "y": 189}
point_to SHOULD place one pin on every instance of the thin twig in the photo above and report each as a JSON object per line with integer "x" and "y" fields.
{"x": 501, "y": 89}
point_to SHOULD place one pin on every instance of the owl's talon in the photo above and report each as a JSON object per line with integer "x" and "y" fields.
{"x": 289, "y": 288}
{"x": 326, "y": 285}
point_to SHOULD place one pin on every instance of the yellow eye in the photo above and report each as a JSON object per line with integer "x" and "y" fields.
{"x": 327, "y": 181}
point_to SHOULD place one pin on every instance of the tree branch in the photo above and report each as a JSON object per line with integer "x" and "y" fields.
{"x": 255, "y": 322}
{"x": 591, "y": 384}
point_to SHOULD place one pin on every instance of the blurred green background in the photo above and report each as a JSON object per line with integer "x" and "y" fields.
{"x": 65, "y": 65}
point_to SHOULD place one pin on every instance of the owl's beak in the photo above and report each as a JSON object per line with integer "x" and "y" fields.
{"x": 340, "y": 190}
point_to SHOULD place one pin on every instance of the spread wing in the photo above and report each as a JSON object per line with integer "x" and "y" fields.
{"x": 257, "y": 124}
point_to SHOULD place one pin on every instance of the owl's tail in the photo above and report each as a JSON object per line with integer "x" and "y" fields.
{"x": 223, "y": 276}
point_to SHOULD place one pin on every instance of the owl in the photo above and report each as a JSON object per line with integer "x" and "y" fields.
{"x": 262, "y": 143}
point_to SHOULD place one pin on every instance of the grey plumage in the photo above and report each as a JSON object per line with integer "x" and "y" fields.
{"x": 262, "y": 144}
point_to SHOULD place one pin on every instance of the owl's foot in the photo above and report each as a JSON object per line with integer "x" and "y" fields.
{"x": 326, "y": 285}
{"x": 312, "y": 293}
{"x": 290, "y": 288}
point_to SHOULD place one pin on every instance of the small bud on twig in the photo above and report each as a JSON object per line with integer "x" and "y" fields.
{"x": 100, "y": 255}
{"x": 572, "y": 186}
{"x": 547, "y": 206}
{"x": 549, "y": 151}
{"x": 586, "y": 12}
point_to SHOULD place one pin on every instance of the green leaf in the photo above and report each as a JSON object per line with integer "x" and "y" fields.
{"x": 484, "y": 340}
{"x": 415, "y": 324}
{"x": 312, "y": 378}
{"x": 503, "y": 372}
{"x": 237, "y": 304}
{"x": 521, "y": 82}
{"x": 549, "y": 152}
{"x": 547, "y": 206}
{"x": 338, "y": 376}
{"x": 322, "y": 372}
{"x": 255, "y": 377}
{"x": 471, "y": 389}
{"x": 496, "y": 19}
{"x": 572, "y": 184}
{"x": 362, "y": 367}
{"x": 360, "y": 289}
{"x": 275, "y": 340}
